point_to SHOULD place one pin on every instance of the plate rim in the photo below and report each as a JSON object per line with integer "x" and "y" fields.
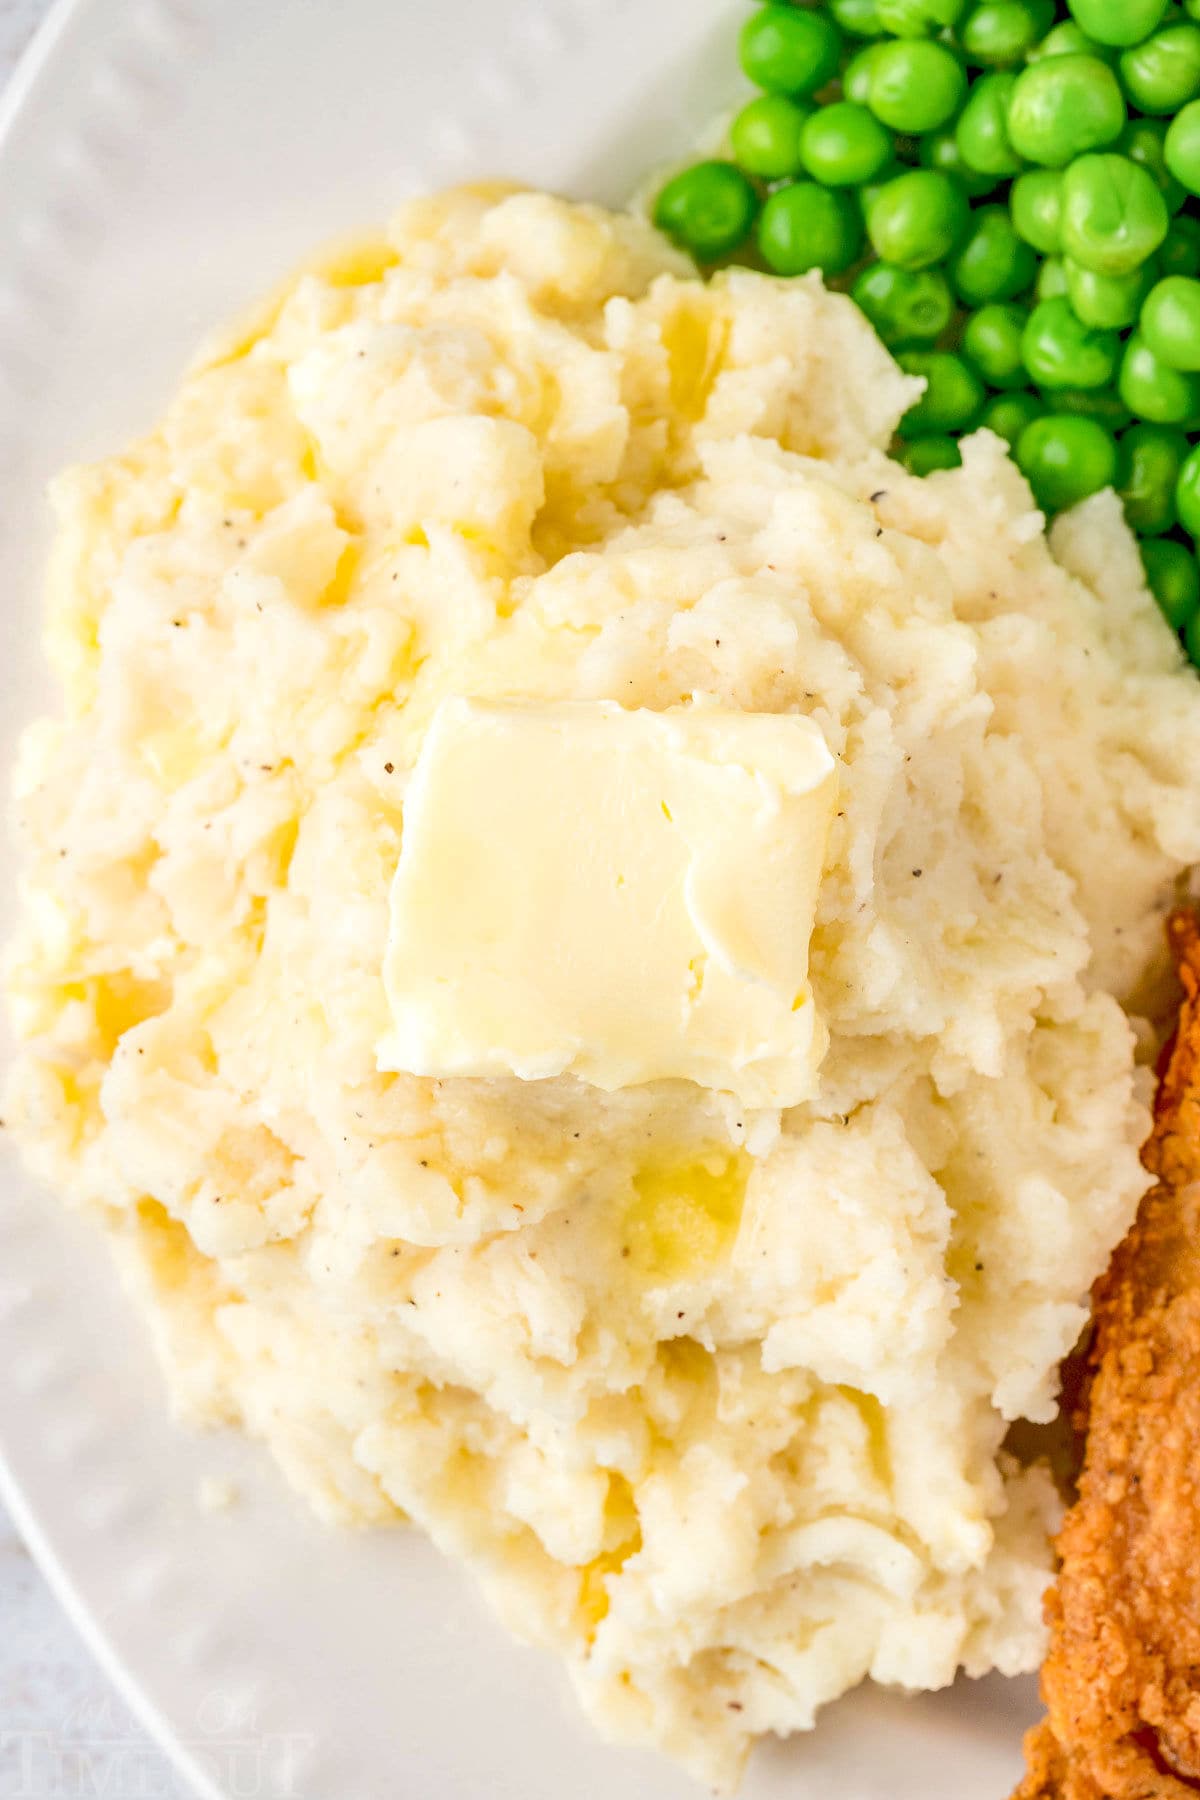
{"x": 34, "y": 72}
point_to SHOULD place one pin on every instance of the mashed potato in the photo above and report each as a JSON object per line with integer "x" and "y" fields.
{"x": 712, "y": 1400}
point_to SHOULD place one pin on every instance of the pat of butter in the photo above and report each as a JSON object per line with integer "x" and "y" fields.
{"x": 625, "y": 896}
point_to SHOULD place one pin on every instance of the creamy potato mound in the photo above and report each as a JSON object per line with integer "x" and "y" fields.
{"x": 712, "y": 1401}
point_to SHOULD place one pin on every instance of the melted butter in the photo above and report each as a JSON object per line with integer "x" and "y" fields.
{"x": 357, "y": 264}
{"x": 685, "y": 1215}
{"x": 174, "y": 754}
{"x": 344, "y": 576}
{"x": 623, "y": 1526}
{"x": 352, "y": 263}
{"x": 593, "y": 1589}
{"x": 695, "y": 343}
{"x": 120, "y": 1001}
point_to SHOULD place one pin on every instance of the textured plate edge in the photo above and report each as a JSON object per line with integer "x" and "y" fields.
{"x": 33, "y": 63}
{"x": 84, "y": 1621}
{"x": 34, "y": 72}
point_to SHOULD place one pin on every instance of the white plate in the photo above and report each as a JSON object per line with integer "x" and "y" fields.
{"x": 160, "y": 162}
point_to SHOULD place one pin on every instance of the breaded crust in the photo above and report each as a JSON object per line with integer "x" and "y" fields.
{"x": 1122, "y": 1679}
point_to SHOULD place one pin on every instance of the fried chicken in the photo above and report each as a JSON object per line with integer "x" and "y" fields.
{"x": 1122, "y": 1680}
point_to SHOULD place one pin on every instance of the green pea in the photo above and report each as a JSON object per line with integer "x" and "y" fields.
{"x": 1187, "y": 493}
{"x": 919, "y": 18}
{"x": 1060, "y": 351}
{"x": 1008, "y": 415}
{"x": 856, "y": 76}
{"x": 844, "y": 146}
{"x": 1036, "y": 205}
{"x": 1003, "y": 31}
{"x": 1110, "y": 302}
{"x": 1163, "y": 74}
{"x": 787, "y": 51}
{"x": 930, "y": 454}
{"x": 1174, "y": 580}
{"x": 982, "y": 129}
{"x": 1114, "y": 217}
{"x": 1065, "y": 458}
{"x": 1182, "y": 146}
{"x": 992, "y": 262}
{"x": 765, "y": 137}
{"x": 1143, "y": 141}
{"x": 1101, "y": 404}
{"x": 916, "y": 85}
{"x": 857, "y": 18}
{"x": 904, "y": 306}
{"x": 939, "y": 150}
{"x": 1153, "y": 391}
{"x": 708, "y": 209}
{"x": 1180, "y": 253}
{"x": 1067, "y": 40}
{"x": 953, "y": 393}
{"x": 1171, "y": 322}
{"x": 806, "y": 226}
{"x": 1062, "y": 107}
{"x": 1117, "y": 21}
{"x": 992, "y": 344}
{"x": 871, "y": 190}
{"x": 1151, "y": 457}
{"x": 1051, "y": 279}
{"x": 916, "y": 220}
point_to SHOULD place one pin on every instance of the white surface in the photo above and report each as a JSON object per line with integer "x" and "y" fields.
{"x": 171, "y": 158}
{"x": 63, "y": 1727}
{"x": 18, "y": 19}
